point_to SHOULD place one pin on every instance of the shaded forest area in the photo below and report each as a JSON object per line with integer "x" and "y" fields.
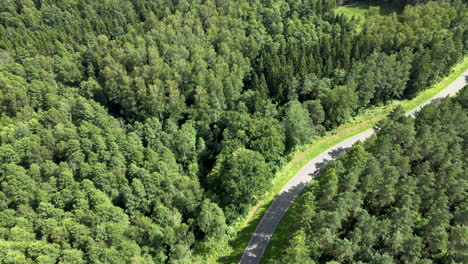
{"x": 136, "y": 131}
{"x": 398, "y": 198}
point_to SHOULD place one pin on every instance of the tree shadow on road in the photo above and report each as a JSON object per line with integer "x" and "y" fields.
{"x": 334, "y": 154}
{"x": 281, "y": 203}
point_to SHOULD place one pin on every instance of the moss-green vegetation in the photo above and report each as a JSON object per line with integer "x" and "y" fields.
{"x": 357, "y": 9}
{"x": 361, "y": 9}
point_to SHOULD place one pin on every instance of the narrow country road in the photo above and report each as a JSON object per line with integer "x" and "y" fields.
{"x": 265, "y": 229}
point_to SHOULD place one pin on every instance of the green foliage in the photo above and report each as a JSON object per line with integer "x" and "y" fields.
{"x": 298, "y": 125}
{"x": 241, "y": 176}
{"x": 211, "y": 220}
{"x": 382, "y": 77}
{"x": 297, "y": 251}
{"x": 340, "y": 105}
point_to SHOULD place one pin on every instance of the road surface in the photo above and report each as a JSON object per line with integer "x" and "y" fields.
{"x": 265, "y": 229}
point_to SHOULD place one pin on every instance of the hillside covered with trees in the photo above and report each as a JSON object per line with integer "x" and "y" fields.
{"x": 137, "y": 131}
{"x": 401, "y": 197}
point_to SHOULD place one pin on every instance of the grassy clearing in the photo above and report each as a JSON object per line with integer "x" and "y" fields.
{"x": 357, "y": 9}
{"x": 359, "y": 124}
{"x": 360, "y": 10}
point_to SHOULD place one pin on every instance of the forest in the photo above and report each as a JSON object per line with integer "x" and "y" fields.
{"x": 400, "y": 197}
{"x": 137, "y": 131}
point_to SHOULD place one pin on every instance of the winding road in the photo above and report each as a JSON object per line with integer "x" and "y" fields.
{"x": 272, "y": 217}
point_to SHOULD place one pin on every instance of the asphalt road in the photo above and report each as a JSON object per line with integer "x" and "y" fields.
{"x": 265, "y": 229}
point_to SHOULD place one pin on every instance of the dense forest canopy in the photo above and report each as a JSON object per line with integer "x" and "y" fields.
{"x": 135, "y": 131}
{"x": 401, "y": 197}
